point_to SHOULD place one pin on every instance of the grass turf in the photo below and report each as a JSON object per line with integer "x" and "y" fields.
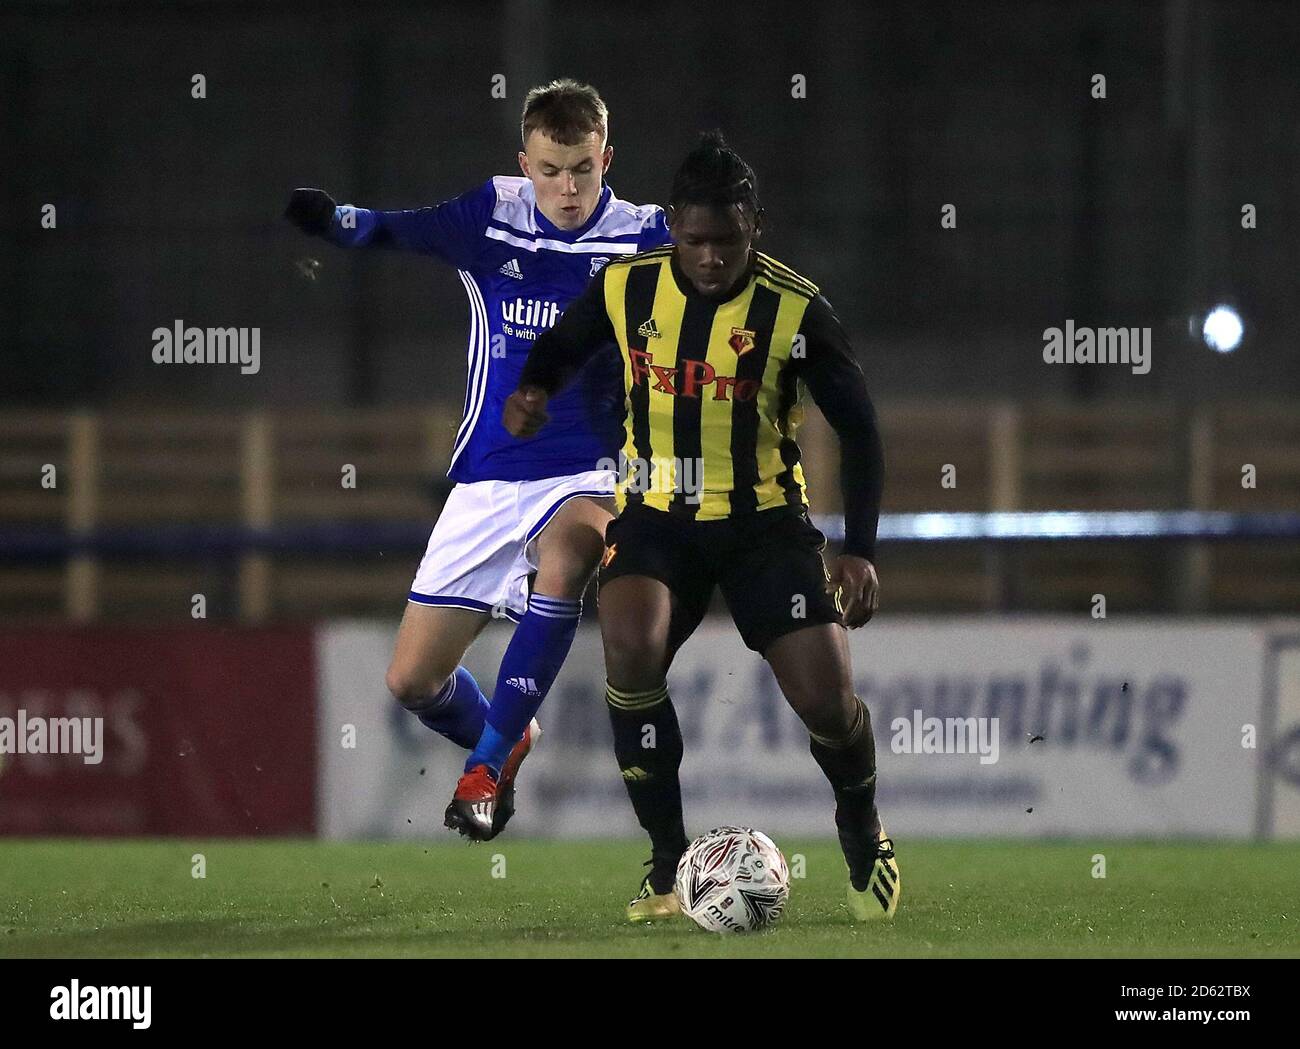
{"x": 565, "y": 899}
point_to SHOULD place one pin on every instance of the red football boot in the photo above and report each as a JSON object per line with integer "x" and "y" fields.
{"x": 483, "y": 803}
{"x": 506, "y": 783}
{"x": 474, "y": 804}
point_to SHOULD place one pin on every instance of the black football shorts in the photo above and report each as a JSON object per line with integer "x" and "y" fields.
{"x": 768, "y": 565}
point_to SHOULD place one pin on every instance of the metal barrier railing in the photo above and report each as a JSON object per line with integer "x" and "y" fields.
{"x": 264, "y": 488}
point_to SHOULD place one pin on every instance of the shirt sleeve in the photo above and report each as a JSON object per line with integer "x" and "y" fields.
{"x": 451, "y": 231}
{"x": 562, "y": 350}
{"x": 654, "y": 234}
{"x": 833, "y": 377}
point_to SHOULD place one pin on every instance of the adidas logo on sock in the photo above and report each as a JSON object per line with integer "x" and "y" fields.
{"x": 649, "y": 329}
{"x": 511, "y": 269}
{"x": 526, "y": 685}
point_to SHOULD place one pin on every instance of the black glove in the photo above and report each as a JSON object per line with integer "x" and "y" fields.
{"x": 311, "y": 210}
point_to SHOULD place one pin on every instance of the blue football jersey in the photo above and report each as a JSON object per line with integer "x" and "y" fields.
{"x": 520, "y": 273}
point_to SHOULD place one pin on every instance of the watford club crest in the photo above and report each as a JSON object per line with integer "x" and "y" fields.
{"x": 742, "y": 341}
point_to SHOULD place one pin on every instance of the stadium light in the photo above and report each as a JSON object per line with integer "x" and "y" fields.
{"x": 1222, "y": 329}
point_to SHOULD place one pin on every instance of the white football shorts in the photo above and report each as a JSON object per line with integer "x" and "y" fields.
{"x": 484, "y": 545}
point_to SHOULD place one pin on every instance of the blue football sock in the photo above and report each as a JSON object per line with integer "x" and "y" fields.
{"x": 533, "y": 659}
{"x": 492, "y": 750}
{"x": 458, "y": 710}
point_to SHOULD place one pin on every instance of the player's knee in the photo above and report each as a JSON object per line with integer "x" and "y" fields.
{"x": 570, "y": 550}
{"x": 569, "y": 585}
{"x": 567, "y": 576}
{"x": 633, "y": 661}
{"x": 401, "y": 686}
{"x": 412, "y": 690}
{"x": 829, "y": 714}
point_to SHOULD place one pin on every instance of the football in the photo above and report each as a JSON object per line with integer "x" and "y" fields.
{"x": 733, "y": 879}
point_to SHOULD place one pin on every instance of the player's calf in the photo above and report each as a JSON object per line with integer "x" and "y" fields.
{"x": 849, "y": 763}
{"x": 532, "y": 661}
{"x": 424, "y": 675}
{"x": 648, "y": 746}
{"x": 456, "y": 709}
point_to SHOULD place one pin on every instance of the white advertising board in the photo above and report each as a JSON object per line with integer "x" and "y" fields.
{"x": 1131, "y": 728}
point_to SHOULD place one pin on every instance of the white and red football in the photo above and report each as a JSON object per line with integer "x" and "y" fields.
{"x": 733, "y": 879}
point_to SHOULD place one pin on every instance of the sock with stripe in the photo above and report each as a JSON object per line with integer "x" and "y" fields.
{"x": 536, "y": 653}
{"x": 458, "y": 710}
{"x": 850, "y": 765}
{"x": 648, "y": 745}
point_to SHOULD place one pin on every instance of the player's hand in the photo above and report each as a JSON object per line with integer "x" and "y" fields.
{"x": 525, "y": 412}
{"x": 311, "y": 210}
{"x": 856, "y": 578}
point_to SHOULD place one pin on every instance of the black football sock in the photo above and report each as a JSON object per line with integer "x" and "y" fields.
{"x": 648, "y": 745}
{"x": 850, "y": 765}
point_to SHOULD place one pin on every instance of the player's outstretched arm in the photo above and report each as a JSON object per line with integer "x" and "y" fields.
{"x": 559, "y": 353}
{"x": 452, "y": 230}
{"x": 839, "y": 389}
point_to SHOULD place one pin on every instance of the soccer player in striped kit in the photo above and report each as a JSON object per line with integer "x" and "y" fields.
{"x": 715, "y": 338}
{"x": 524, "y": 247}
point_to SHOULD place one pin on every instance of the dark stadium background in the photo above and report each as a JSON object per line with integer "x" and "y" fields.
{"x": 1123, "y": 211}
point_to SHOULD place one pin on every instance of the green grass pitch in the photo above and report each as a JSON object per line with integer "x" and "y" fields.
{"x": 302, "y": 898}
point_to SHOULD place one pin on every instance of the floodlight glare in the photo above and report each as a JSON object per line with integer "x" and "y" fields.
{"x": 1222, "y": 329}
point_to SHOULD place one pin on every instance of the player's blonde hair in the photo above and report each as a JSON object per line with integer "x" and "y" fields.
{"x": 565, "y": 111}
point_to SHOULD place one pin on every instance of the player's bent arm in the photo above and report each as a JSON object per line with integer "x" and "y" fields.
{"x": 560, "y": 352}
{"x": 835, "y": 380}
{"x": 525, "y": 411}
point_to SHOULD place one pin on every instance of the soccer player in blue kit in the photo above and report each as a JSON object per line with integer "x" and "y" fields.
{"x": 524, "y": 249}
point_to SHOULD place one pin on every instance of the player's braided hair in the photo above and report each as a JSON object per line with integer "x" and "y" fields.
{"x": 714, "y": 174}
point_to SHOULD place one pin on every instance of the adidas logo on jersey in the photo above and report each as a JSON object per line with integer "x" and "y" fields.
{"x": 649, "y": 329}
{"x": 511, "y": 269}
{"x": 526, "y": 685}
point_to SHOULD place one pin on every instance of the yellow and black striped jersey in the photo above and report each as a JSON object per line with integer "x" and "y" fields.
{"x": 712, "y": 387}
